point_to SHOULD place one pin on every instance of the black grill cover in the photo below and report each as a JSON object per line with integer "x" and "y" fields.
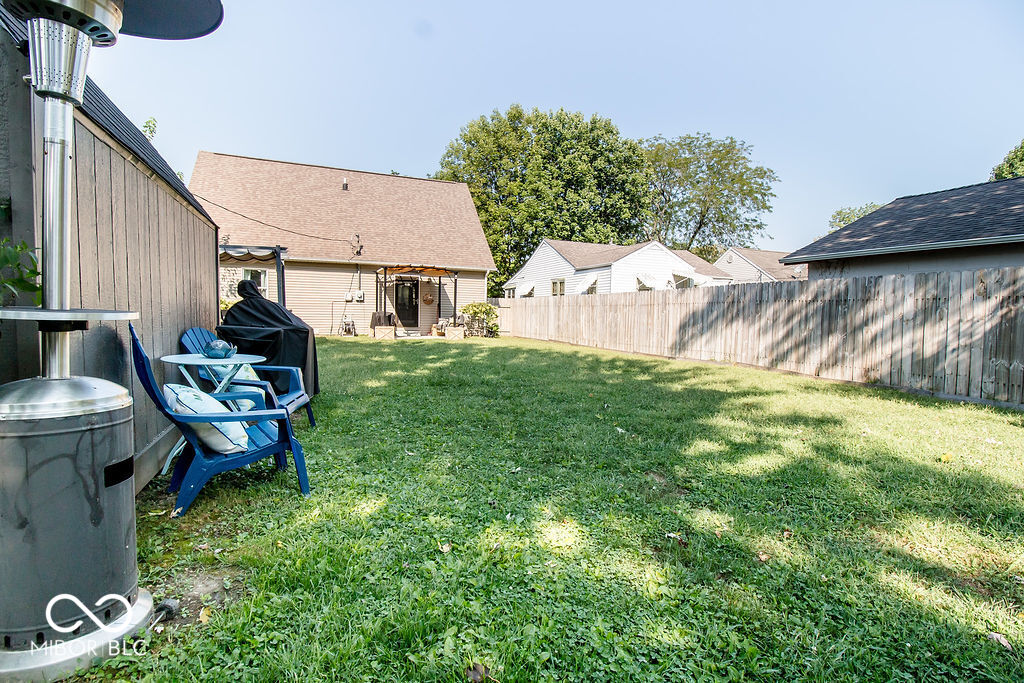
{"x": 266, "y": 328}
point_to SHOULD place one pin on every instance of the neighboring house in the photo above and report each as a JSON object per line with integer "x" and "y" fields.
{"x": 966, "y": 228}
{"x": 141, "y": 242}
{"x": 758, "y": 265}
{"x": 344, "y": 231}
{"x": 558, "y": 268}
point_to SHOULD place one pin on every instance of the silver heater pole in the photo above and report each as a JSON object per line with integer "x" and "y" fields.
{"x": 58, "y": 56}
{"x": 69, "y": 592}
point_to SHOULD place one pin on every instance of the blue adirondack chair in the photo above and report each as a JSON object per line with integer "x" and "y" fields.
{"x": 196, "y": 338}
{"x": 269, "y": 430}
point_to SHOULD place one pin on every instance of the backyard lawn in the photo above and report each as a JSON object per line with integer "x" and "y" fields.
{"x": 550, "y": 512}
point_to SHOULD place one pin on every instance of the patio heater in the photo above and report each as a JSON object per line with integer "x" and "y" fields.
{"x": 69, "y": 590}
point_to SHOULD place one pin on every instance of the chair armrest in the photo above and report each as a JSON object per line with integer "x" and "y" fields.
{"x": 268, "y": 391}
{"x": 254, "y": 396}
{"x": 232, "y": 416}
{"x": 296, "y": 376}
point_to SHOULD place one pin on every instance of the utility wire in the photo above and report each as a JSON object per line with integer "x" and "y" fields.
{"x": 355, "y": 245}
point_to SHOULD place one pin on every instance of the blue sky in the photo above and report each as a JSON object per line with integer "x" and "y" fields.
{"x": 847, "y": 102}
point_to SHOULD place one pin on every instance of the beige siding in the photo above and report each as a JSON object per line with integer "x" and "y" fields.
{"x": 317, "y": 293}
{"x": 231, "y": 272}
{"x": 740, "y": 268}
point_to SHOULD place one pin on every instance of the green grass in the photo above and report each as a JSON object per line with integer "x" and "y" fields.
{"x": 559, "y": 513}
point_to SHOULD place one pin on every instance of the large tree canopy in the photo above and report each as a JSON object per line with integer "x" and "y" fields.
{"x": 845, "y": 215}
{"x": 1012, "y": 166}
{"x": 707, "y": 193}
{"x": 548, "y": 174}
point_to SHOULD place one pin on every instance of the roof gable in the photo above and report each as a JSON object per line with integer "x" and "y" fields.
{"x": 537, "y": 254}
{"x": 398, "y": 220}
{"x": 767, "y": 262}
{"x": 986, "y": 213}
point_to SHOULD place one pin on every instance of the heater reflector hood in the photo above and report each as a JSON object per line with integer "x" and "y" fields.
{"x": 103, "y": 20}
{"x": 178, "y": 20}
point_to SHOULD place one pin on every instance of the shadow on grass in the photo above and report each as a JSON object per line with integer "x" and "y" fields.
{"x": 595, "y": 516}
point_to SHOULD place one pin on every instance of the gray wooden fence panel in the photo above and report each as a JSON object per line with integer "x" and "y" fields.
{"x": 139, "y": 247}
{"x": 957, "y": 334}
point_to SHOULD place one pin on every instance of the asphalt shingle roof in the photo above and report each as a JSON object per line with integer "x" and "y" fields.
{"x": 583, "y": 255}
{"x": 98, "y": 107}
{"x": 986, "y": 213}
{"x": 700, "y": 265}
{"x": 399, "y": 220}
{"x": 768, "y": 261}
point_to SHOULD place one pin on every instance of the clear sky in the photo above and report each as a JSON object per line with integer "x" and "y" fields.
{"x": 848, "y": 102}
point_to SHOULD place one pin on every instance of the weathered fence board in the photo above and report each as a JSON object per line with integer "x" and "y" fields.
{"x": 958, "y": 334}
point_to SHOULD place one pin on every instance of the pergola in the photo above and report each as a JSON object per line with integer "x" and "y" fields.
{"x": 381, "y": 277}
{"x": 249, "y": 254}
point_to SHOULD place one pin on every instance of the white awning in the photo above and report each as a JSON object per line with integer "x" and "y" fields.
{"x": 648, "y": 280}
{"x": 586, "y": 283}
{"x": 524, "y": 288}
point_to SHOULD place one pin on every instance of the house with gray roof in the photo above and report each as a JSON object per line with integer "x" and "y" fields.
{"x": 559, "y": 268}
{"x": 758, "y": 265}
{"x": 966, "y": 228}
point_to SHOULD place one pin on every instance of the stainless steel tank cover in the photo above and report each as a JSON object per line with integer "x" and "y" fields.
{"x": 41, "y": 398}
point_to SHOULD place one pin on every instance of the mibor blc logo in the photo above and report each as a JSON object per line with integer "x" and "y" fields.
{"x": 86, "y": 610}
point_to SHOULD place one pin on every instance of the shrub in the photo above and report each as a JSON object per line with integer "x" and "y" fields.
{"x": 19, "y": 270}
{"x": 483, "y": 319}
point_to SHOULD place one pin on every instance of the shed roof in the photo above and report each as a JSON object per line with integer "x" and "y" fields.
{"x": 975, "y": 215}
{"x": 99, "y": 108}
{"x": 398, "y": 220}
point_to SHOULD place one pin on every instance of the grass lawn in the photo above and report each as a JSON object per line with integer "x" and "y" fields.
{"x": 560, "y": 513}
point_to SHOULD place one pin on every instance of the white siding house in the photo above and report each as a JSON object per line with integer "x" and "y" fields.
{"x": 566, "y": 268}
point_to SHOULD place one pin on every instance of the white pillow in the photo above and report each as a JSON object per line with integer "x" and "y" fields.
{"x": 245, "y": 372}
{"x": 222, "y": 437}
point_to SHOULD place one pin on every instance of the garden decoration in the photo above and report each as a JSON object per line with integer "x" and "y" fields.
{"x": 218, "y": 348}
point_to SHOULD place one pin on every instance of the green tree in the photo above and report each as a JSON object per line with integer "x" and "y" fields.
{"x": 845, "y": 215}
{"x": 707, "y": 194}
{"x": 548, "y": 174}
{"x": 1012, "y": 166}
{"x": 149, "y": 128}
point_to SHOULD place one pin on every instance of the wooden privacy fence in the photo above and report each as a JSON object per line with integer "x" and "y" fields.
{"x": 957, "y": 334}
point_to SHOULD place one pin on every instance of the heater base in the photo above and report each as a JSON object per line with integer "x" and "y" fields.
{"x": 56, "y": 661}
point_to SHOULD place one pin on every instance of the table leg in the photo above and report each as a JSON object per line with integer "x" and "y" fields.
{"x": 226, "y": 382}
{"x": 188, "y": 378}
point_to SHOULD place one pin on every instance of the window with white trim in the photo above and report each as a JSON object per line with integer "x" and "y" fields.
{"x": 257, "y": 277}
{"x": 558, "y": 288}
